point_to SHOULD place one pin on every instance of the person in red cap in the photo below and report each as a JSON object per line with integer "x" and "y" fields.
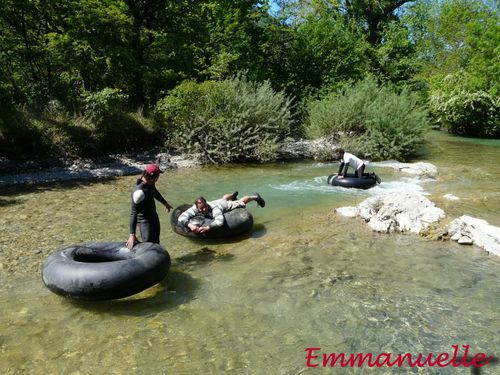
{"x": 143, "y": 210}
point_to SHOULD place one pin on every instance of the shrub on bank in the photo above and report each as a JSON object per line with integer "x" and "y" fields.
{"x": 226, "y": 121}
{"x": 374, "y": 121}
{"x": 465, "y": 105}
{"x": 101, "y": 104}
{"x": 467, "y": 113}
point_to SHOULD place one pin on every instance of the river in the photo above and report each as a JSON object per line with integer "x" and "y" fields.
{"x": 304, "y": 278}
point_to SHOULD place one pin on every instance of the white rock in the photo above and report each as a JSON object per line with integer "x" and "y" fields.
{"x": 380, "y": 225}
{"x": 347, "y": 211}
{"x": 456, "y": 236}
{"x": 451, "y": 197}
{"x": 465, "y": 240}
{"x": 480, "y": 232}
{"x": 402, "y": 212}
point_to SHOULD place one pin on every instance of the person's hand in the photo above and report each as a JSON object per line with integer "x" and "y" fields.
{"x": 193, "y": 228}
{"x": 204, "y": 229}
{"x": 132, "y": 239}
{"x": 168, "y": 207}
{"x": 340, "y": 176}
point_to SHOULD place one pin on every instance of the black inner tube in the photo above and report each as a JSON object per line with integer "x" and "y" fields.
{"x": 236, "y": 222}
{"x": 90, "y": 255}
{"x": 103, "y": 271}
{"x": 351, "y": 181}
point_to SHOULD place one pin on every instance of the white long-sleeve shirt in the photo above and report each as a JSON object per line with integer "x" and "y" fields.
{"x": 349, "y": 160}
{"x": 215, "y": 212}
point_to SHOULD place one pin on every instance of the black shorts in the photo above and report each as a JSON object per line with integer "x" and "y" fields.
{"x": 150, "y": 229}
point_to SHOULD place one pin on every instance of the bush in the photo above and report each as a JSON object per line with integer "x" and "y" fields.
{"x": 226, "y": 121}
{"x": 467, "y": 113}
{"x": 342, "y": 111}
{"x": 28, "y": 137}
{"x": 375, "y": 121}
{"x": 108, "y": 101}
{"x": 396, "y": 126}
{"x": 124, "y": 131}
{"x": 55, "y": 135}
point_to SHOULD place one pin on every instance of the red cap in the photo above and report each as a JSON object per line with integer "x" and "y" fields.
{"x": 153, "y": 169}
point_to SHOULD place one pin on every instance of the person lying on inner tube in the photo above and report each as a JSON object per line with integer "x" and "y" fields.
{"x": 215, "y": 210}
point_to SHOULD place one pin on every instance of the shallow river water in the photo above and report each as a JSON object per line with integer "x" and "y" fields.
{"x": 304, "y": 278}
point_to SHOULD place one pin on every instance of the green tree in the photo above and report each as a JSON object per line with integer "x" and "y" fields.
{"x": 458, "y": 43}
{"x": 372, "y": 16}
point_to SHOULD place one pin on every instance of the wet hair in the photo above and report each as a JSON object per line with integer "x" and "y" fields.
{"x": 199, "y": 200}
{"x": 339, "y": 150}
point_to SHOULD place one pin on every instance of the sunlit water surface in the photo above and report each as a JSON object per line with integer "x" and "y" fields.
{"x": 304, "y": 278}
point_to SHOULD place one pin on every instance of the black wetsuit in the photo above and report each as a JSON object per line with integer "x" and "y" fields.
{"x": 145, "y": 214}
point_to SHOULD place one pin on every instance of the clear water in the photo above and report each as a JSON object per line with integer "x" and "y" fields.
{"x": 304, "y": 278}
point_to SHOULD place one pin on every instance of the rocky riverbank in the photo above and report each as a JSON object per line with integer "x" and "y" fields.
{"x": 32, "y": 172}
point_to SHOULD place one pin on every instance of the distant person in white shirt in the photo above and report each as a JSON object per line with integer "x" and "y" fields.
{"x": 349, "y": 160}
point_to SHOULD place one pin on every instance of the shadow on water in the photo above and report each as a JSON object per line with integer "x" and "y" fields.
{"x": 258, "y": 231}
{"x": 176, "y": 289}
{"x": 8, "y": 202}
{"x": 202, "y": 256}
{"x": 488, "y": 361}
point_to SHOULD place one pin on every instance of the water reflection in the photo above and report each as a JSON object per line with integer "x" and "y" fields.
{"x": 176, "y": 289}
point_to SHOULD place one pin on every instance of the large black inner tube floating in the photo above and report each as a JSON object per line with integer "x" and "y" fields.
{"x": 350, "y": 181}
{"x": 236, "y": 222}
{"x": 106, "y": 270}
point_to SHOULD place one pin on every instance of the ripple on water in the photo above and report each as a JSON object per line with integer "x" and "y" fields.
{"x": 319, "y": 185}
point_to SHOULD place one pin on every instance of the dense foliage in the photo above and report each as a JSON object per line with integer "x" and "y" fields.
{"x": 77, "y": 72}
{"x": 226, "y": 121}
{"x": 375, "y": 121}
{"x": 475, "y": 113}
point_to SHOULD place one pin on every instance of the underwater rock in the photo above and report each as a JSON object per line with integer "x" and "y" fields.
{"x": 348, "y": 211}
{"x": 470, "y": 230}
{"x": 451, "y": 197}
{"x": 399, "y": 212}
{"x": 420, "y": 168}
